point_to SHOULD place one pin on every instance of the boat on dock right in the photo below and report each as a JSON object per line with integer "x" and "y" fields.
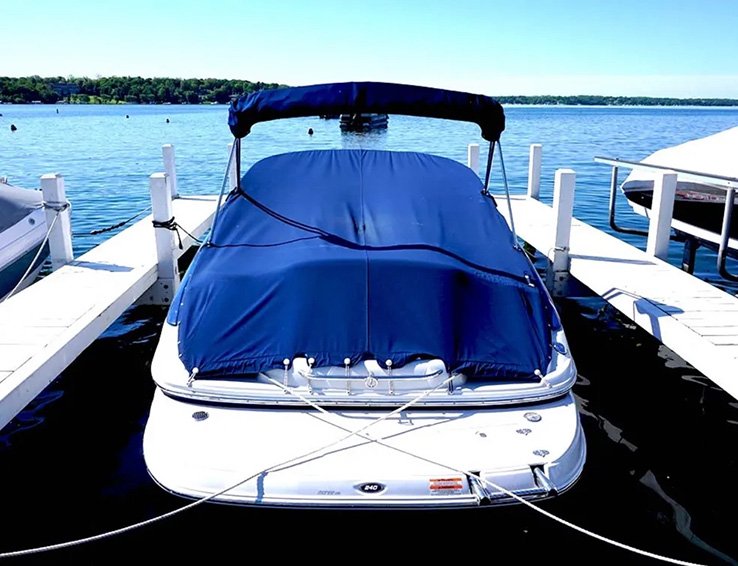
{"x": 705, "y": 205}
{"x": 706, "y": 169}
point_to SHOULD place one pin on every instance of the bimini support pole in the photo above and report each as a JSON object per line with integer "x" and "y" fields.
{"x": 227, "y": 180}
{"x": 507, "y": 194}
{"x": 232, "y": 173}
{"x": 490, "y": 156}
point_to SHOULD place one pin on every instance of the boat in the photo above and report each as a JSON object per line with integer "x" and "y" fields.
{"x": 22, "y": 231}
{"x": 706, "y": 169}
{"x": 363, "y": 122}
{"x": 361, "y": 330}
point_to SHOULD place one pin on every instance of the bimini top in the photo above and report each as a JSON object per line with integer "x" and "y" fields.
{"x": 359, "y": 254}
{"x": 366, "y": 97}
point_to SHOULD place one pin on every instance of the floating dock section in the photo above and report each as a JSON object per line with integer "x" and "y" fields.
{"x": 692, "y": 317}
{"x": 47, "y": 325}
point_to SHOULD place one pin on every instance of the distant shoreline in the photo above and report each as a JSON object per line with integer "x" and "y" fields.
{"x": 685, "y": 105}
{"x": 137, "y": 90}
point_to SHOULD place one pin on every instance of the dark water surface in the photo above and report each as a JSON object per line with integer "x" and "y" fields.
{"x": 661, "y": 438}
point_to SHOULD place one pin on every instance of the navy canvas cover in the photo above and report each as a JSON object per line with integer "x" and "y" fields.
{"x": 366, "y": 97}
{"x": 360, "y": 254}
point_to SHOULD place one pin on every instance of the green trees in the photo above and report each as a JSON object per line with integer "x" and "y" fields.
{"x": 138, "y": 90}
{"x": 597, "y": 100}
{"x": 132, "y": 90}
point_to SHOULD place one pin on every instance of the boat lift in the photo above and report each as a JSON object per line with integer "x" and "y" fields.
{"x": 692, "y": 236}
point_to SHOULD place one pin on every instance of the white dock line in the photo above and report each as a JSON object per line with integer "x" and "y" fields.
{"x": 360, "y": 432}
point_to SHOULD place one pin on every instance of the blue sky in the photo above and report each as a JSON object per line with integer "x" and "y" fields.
{"x": 680, "y": 48}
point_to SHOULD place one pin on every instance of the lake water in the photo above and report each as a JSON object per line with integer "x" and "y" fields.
{"x": 660, "y": 436}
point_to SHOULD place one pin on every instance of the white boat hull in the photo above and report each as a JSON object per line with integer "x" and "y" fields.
{"x": 417, "y": 458}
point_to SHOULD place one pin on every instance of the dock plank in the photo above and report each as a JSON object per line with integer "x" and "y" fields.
{"x": 690, "y": 316}
{"x": 59, "y": 316}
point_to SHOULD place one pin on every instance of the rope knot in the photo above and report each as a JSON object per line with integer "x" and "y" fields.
{"x": 174, "y": 227}
{"x": 169, "y": 225}
{"x": 57, "y": 206}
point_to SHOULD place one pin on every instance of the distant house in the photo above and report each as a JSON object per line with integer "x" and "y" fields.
{"x": 65, "y": 89}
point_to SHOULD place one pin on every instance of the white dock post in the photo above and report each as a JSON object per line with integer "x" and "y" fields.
{"x": 162, "y": 292}
{"x": 472, "y": 157}
{"x": 557, "y": 273}
{"x": 232, "y": 172}
{"x": 662, "y": 209}
{"x": 60, "y": 238}
{"x": 170, "y": 168}
{"x": 534, "y": 171}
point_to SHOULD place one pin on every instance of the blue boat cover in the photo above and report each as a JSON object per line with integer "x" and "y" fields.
{"x": 361, "y": 254}
{"x": 366, "y": 97}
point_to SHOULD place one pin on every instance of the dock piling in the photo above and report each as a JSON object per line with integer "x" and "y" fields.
{"x": 55, "y": 203}
{"x": 557, "y": 272}
{"x": 162, "y": 292}
{"x": 170, "y": 168}
{"x": 662, "y": 209}
{"x": 472, "y": 157}
{"x": 534, "y": 171}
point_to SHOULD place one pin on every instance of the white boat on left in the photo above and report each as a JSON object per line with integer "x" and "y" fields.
{"x": 22, "y": 232}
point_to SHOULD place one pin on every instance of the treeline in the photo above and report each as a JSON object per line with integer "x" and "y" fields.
{"x": 596, "y": 100}
{"x": 137, "y": 90}
{"x": 117, "y": 90}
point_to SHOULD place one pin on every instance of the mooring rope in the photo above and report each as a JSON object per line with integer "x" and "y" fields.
{"x": 174, "y": 512}
{"x": 114, "y": 226}
{"x": 174, "y": 227}
{"x": 486, "y": 481}
{"x": 38, "y": 253}
{"x": 360, "y": 432}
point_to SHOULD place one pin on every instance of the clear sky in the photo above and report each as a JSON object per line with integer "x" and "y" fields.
{"x": 680, "y": 48}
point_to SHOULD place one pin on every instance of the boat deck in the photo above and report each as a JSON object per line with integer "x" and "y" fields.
{"x": 44, "y": 328}
{"x": 692, "y": 317}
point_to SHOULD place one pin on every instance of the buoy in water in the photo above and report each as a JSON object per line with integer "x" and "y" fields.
{"x": 13, "y": 128}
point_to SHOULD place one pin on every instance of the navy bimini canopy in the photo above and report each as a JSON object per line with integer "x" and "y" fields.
{"x": 360, "y": 254}
{"x": 366, "y": 97}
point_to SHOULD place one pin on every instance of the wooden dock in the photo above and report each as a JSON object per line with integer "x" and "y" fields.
{"x": 691, "y": 317}
{"x": 46, "y": 326}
